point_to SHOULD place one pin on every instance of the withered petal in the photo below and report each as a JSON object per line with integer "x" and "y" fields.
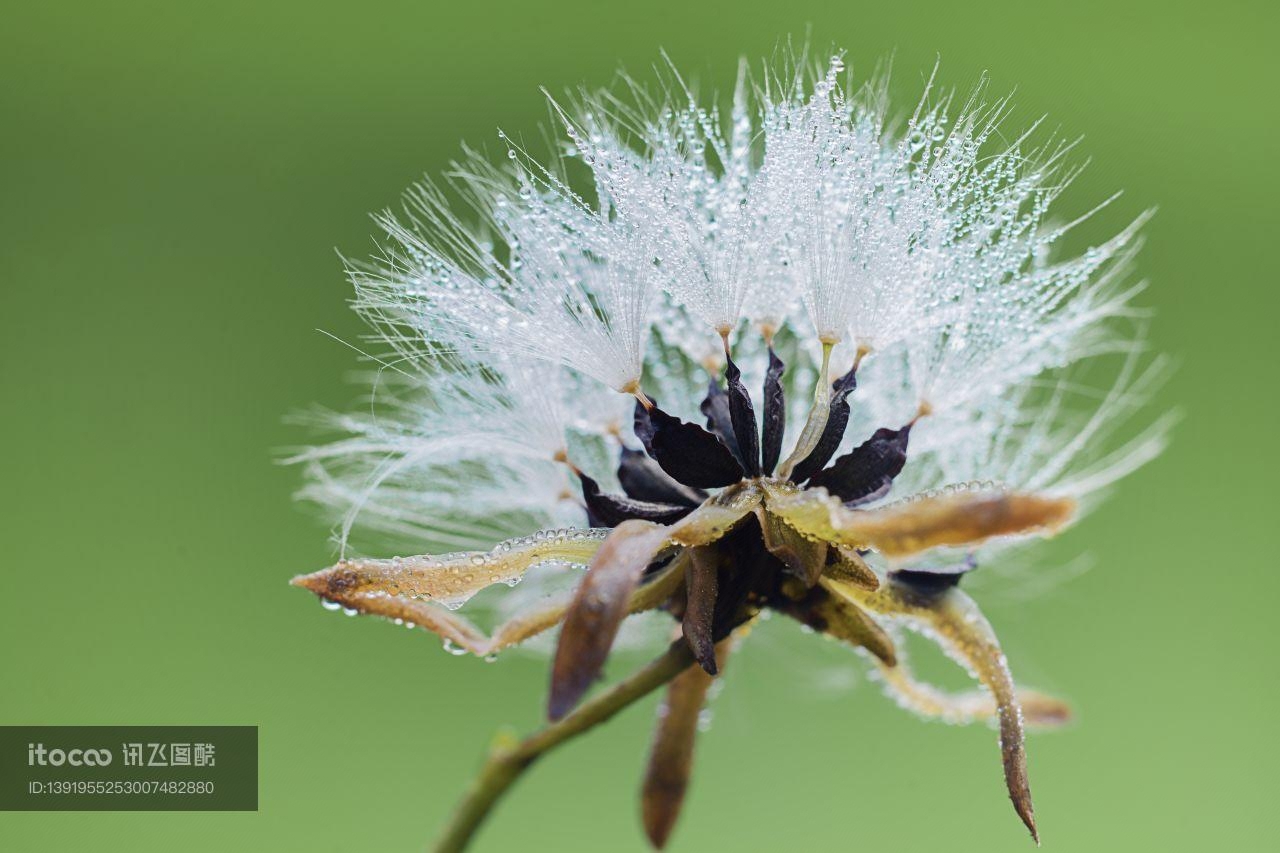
{"x": 642, "y": 425}
{"x": 803, "y": 557}
{"x": 598, "y": 606}
{"x": 606, "y": 510}
{"x": 1038, "y": 709}
{"x": 775, "y": 414}
{"x": 715, "y": 408}
{"x": 956, "y": 623}
{"x": 828, "y": 611}
{"x": 686, "y": 451}
{"x": 643, "y": 479}
{"x": 449, "y": 626}
{"x": 667, "y": 773}
{"x": 701, "y": 582}
{"x": 960, "y": 519}
{"x": 867, "y": 472}
{"x": 451, "y": 579}
{"x": 718, "y": 515}
{"x": 653, "y": 591}
{"x": 847, "y": 565}
{"x": 900, "y": 530}
{"x": 742, "y": 416}
{"x": 597, "y": 610}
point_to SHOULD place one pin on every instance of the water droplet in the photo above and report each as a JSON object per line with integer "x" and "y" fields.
{"x": 704, "y": 720}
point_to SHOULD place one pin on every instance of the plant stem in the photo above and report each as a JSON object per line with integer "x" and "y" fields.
{"x": 506, "y": 762}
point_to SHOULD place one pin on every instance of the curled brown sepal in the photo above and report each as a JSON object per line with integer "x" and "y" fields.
{"x": 954, "y": 621}
{"x": 599, "y": 605}
{"x": 666, "y": 777}
{"x": 907, "y": 528}
{"x": 456, "y": 631}
{"x": 597, "y": 610}
{"x": 701, "y": 583}
{"x": 1039, "y": 710}
{"x": 804, "y": 557}
{"x": 520, "y": 627}
{"x": 459, "y": 633}
{"x": 829, "y": 611}
{"x": 717, "y": 515}
{"x": 451, "y": 579}
{"x": 847, "y": 565}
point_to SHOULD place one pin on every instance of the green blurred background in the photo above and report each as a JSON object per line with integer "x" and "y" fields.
{"x": 176, "y": 177}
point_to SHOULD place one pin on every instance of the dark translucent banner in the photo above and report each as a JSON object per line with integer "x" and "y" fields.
{"x": 128, "y": 768}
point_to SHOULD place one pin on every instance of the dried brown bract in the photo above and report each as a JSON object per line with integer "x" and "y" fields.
{"x": 715, "y": 562}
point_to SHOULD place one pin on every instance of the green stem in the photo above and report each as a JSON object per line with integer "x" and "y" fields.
{"x": 506, "y": 762}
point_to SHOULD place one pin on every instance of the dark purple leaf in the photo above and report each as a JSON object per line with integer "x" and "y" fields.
{"x": 743, "y": 418}
{"x": 606, "y": 510}
{"x": 643, "y": 427}
{"x": 867, "y": 472}
{"x": 715, "y": 408}
{"x": 686, "y": 451}
{"x": 775, "y": 413}
{"x": 644, "y": 480}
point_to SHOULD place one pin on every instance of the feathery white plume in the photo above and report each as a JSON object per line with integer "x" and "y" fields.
{"x": 925, "y": 246}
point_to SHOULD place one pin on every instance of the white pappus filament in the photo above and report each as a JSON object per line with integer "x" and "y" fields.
{"x": 517, "y": 300}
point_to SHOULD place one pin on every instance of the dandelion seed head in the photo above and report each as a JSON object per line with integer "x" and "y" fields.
{"x": 521, "y": 296}
{"x": 794, "y": 353}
